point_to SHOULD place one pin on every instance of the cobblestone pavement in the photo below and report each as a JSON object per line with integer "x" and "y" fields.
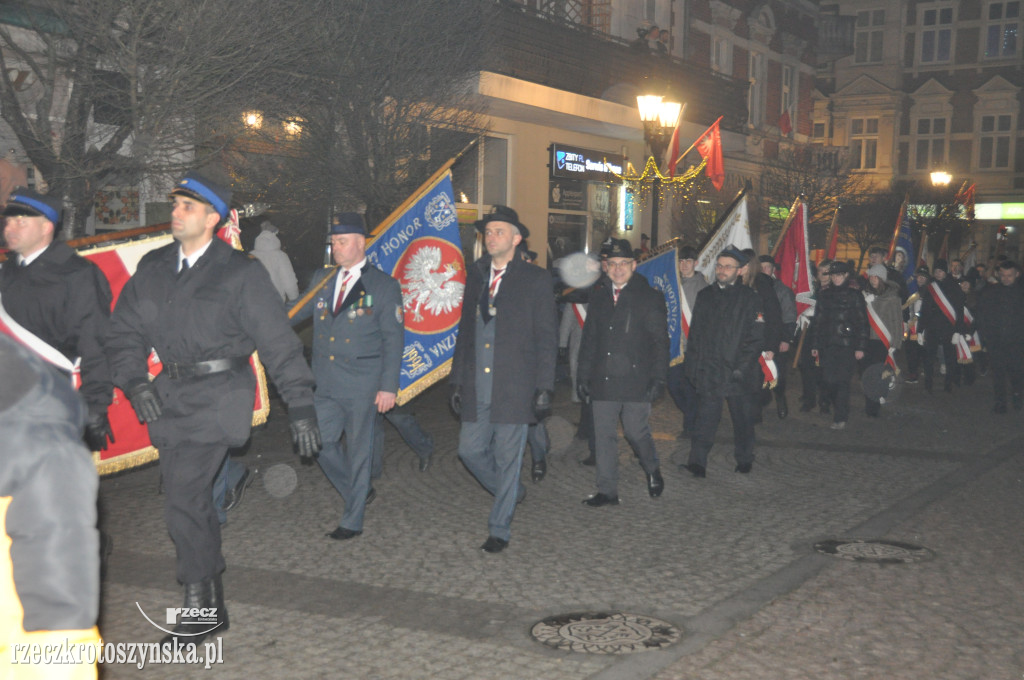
{"x": 728, "y": 559}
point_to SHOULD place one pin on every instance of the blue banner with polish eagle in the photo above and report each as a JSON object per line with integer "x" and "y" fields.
{"x": 420, "y": 246}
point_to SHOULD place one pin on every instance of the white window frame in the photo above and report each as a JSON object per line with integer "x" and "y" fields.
{"x": 788, "y": 89}
{"x": 869, "y": 28}
{"x": 721, "y": 55}
{"x": 930, "y": 22}
{"x": 1003, "y": 26}
{"x": 931, "y": 139}
{"x": 1003, "y": 128}
{"x": 863, "y": 139}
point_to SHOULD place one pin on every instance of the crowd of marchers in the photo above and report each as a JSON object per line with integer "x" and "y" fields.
{"x": 204, "y": 307}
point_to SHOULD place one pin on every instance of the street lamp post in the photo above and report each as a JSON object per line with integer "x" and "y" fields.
{"x": 659, "y": 118}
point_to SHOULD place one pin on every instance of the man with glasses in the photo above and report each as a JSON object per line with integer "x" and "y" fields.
{"x": 623, "y": 368}
{"x": 726, "y": 340}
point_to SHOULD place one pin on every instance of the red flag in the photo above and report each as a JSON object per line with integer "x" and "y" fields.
{"x": 785, "y": 125}
{"x": 792, "y": 256}
{"x": 709, "y": 145}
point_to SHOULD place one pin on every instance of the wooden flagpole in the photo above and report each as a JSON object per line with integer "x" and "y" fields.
{"x": 387, "y": 222}
{"x": 785, "y": 226}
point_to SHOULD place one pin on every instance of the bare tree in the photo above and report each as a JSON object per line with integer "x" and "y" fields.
{"x": 114, "y": 92}
{"x": 868, "y": 220}
{"x": 387, "y": 100}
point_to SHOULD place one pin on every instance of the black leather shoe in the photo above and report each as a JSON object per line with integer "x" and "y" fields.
{"x": 783, "y": 407}
{"x": 371, "y": 495}
{"x": 494, "y": 545}
{"x": 600, "y": 499}
{"x": 744, "y": 467}
{"x": 655, "y": 484}
{"x": 589, "y": 460}
{"x": 539, "y": 469}
{"x": 425, "y": 462}
{"x": 343, "y": 534}
{"x": 698, "y": 471}
{"x": 233, "y": 496}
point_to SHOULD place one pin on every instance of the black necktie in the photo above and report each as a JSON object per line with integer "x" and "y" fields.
{"x": 184, "y": 268}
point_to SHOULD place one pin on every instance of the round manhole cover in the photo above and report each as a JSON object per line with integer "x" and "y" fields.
{"x": 605, "y": 633}
{"x": 883, "y": 552}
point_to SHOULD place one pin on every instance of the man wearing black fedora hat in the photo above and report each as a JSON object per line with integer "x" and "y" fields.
{"x": 358, "y": 339}
{"x": 503, "y": 370}
{"x": 623, "y": 369}
{"x": 62, "y": 298}
{"x": 204, "y": 307}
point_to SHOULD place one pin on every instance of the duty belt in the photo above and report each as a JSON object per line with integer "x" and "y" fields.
{"x": 177, "y": 371}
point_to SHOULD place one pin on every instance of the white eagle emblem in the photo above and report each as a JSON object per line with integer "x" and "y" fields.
{"x": 428, "y": 286}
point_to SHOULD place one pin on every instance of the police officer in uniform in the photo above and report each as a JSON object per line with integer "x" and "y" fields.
{"x": 204, "y": 307}
{"x": 503, "y": 370}
{"x": 358, "y": 339}
{"x": 60, "y": 297}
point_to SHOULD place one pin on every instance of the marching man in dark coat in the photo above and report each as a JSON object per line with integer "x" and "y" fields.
{"x": 623, "y": 367}
{"x": 60, "y": 297}
{"x": 204, "y": 307}
{"x": 839, "y": 335}
{"x": 503, "y": 370}
{"x": 726, "y": 340}
{"x": 358, "y": 338}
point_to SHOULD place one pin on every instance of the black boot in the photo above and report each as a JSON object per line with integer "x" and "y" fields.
{"x": 782, "y": 406}
{"x": 207, "y": 594}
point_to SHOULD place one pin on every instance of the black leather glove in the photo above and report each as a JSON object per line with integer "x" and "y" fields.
{"x": 305, "y": 432}
{"x": 97, "y": 432}
{"x": 145, "y": 400}
{"x": 455, "y": 402}
{"x": 655, "y": 389}
{"x": 583, "y": 392}
{"x": 542, "y": 404}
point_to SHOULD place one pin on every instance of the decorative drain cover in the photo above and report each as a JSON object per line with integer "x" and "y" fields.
{"x": 883, "y": 552}
{"x": 605, "y": 633}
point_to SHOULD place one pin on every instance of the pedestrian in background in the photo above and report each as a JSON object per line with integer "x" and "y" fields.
{"x": 267, "y": 250}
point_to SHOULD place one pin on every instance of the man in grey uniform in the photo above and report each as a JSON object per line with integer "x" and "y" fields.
{"x": 358, "y": 337}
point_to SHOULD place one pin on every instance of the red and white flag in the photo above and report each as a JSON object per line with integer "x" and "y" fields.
{"x": 793, "y": 257}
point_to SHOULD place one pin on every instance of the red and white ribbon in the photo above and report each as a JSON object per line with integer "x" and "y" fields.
{"x": 943, "y": 302}
{"x": 770, "y": 371}
{"x": 963, "y": 350}
{"x": 883, "y": 334}
{"x": 580, "y": 311}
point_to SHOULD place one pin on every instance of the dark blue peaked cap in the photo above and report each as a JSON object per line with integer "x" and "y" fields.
{"x": 24, "y": 201}
{"x": 206, "y": 190}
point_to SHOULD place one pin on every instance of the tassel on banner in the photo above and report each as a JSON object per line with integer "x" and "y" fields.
{"x": 963, "y": 350}
{"x": 770, "y": 371}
